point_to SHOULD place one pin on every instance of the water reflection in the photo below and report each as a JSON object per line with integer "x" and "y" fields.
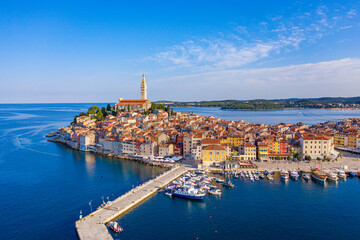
{"x": 90, "y": 163}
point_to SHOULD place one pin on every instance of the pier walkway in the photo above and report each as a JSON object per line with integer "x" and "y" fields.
{"x": 93, "y": 226}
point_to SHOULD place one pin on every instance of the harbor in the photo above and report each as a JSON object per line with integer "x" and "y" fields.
{"x": 61, "y": 184}
{"x": 93, "y": 226}
{"x": 191, "y": 185}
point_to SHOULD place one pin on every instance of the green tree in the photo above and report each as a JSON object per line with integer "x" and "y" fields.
{"x": 99, "y": 116}
{"x": 93, "y": 110}
{"x": 161, "y": 106}
{"x": 278, "y": 158}
{"x": 153, "y": 106}
{"x": 108, "y": 108}
{"x": 104, "y": 112}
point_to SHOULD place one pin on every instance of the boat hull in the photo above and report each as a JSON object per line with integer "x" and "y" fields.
{"x": 320, "y": 180}
{"x": 194, "y": 197}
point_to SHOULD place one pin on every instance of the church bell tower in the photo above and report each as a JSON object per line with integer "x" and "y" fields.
{"x": 143, "y": 89}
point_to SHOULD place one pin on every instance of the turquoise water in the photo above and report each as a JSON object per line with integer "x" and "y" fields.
{"x": 45, "y": 185}
{"x": 306, "y": 116}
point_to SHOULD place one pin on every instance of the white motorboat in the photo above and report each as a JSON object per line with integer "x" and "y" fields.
{"x": 190, "y": 193}
{"x": 331, "y": 176}
{"x": 306, "y": 176}
{"x": 342, "y": 174}
{"x": 215, "y": 192}
{"x": 294, "y": 174}
{"x": 284, "y": 174}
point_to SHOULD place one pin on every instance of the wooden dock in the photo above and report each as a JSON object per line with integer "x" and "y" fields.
{"x": 94, "y": 227}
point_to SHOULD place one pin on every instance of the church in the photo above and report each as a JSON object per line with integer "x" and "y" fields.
{"x": 135, "y": 104}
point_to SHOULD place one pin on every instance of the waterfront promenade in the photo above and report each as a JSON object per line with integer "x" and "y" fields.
{"x": 93, "y": 226}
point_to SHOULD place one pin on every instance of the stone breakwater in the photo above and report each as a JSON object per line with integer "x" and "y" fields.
{"x": 94, "y": 227}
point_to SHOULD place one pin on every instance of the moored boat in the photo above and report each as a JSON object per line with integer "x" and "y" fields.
{"x": 228, "y": 184}
{"x": 342, "y": 174}
{"x": 318, "y": 175}
{"x": 353, "y": 174}
{"x": 189, "y": 193}
{"x": 331, "y": 176}
{"x": 306, "y": 176}
{"x": 115, "y": 227}
{"x": 219, "y": 180}
{"x": 215, "y": 192}
{"x": 294, "y": 174}
{"x": 284, "y": 174}
{"x": 269, "y": 176}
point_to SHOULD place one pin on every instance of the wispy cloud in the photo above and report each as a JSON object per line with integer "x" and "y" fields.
{"x": 330, "y": 78}
{"x": 243, "y": 46}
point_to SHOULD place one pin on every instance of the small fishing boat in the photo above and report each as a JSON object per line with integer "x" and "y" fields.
{"x": 342, "y": 174}
{"x": 331, "y": 176}
{"x": 219, "y": 180}
{"x": 269, "y": 176}
{"x": 284, "y": 174}
{"x": 215, "y": 192}
{"x": 228, "y": 184}
{"x": 353, "y": 174}
{"x": 306, "y": 176}
{"x": 115, "y": 227}
{"x": 205, "y": 187}
{"x": 318, "y": 175}
{"x": 294, "y": 174}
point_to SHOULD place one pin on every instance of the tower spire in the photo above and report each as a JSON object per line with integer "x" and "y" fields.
{"x": 143, "y": 88}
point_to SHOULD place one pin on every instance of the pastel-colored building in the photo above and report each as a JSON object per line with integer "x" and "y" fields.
{"x": 213, "y": 154}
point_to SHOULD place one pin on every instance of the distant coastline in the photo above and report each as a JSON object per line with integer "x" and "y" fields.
{"x": 275, "y": 104}
{"x": 357, "y": 108}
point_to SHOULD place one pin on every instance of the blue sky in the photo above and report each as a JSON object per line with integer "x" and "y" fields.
{"x": 96, "y": 51}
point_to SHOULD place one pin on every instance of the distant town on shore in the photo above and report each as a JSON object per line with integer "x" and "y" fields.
{"x": 276, "y": 104}
{"x": 138, "y": 128}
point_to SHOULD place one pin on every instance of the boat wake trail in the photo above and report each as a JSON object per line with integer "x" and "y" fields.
{"x": 30, "y": 149}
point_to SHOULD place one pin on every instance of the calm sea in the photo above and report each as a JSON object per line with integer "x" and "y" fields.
{"x": 306, "y": 116}
{"x": 45, "y": 185}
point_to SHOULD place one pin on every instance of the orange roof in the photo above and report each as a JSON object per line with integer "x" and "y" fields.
{"x": 131, "y": 101}
{"x": 210, "y": 141}
{"x": 215, "y": 147}
{"x": 315, "y": 137}
{"x": 249, "y": 145}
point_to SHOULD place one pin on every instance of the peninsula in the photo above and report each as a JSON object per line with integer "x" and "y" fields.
{"x": 155, "y": 134}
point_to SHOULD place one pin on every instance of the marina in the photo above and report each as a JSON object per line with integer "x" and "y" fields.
{"x": 93, "y": 225}
{"x": 182, "y": 182}
{"x": 247, "y": 194}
